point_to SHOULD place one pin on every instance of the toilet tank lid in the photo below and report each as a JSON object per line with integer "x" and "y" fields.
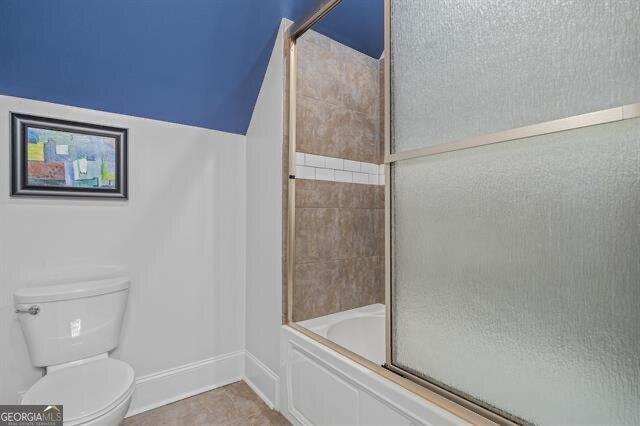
{"x": 70, "y": 291}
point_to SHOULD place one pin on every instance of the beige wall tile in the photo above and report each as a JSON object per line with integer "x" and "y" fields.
{"x": 338, "y": 97}
{"x": 358, "y": 282}
{"x": 355, "y": 233}
{"x": 316, "y": 233}
{"x": 317, "y": 290}
{"x": 335, "y": 131}
{"x": 317, "y": 193}
{"x": 339, "y": 248}
{"x": 315, "y": 38}
{"x": 339, "y": 226}
{"x": 379, "y": 231}
{"x": 379, "y": 197}
{"x": 358, "y": 84}
{"x": 356, "y": 196}
{"x": 335, "y": 73}
{"x": 380, "y": 284}
{"x": 317, "y": 73}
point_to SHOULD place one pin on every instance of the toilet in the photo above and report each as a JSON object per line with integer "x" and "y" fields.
{"x": 70, "y": 330}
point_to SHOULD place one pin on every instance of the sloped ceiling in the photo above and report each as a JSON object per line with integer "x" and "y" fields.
{"x": 195, "y": 62}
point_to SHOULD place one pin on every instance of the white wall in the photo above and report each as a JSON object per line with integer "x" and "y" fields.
{"x": 180, "y": 237}
{"x": 264, "y": 230}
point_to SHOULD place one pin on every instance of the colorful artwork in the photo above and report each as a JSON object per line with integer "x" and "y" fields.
{"x": 67, "y": 158}
{"x": 58, "y": 158}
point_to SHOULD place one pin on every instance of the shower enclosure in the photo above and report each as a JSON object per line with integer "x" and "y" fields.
{"x": 512, "y": 207}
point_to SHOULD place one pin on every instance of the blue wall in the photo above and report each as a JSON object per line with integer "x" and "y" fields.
{"x": 196, "y": 62}
{"x": 358, "y": 24}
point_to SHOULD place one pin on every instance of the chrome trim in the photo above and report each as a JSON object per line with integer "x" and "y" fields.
{"x": 297, "y": 29}
{"x": 33, "y": 310}
{"x": 493, "y": 415}
{"x": 291, "y": 181}
{"x": 604, "y": 116}
{"x": 387, "y": 181}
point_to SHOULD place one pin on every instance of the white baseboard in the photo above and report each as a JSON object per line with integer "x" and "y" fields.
{"x": 262, "y": 380}
{"x": 165, "y": 387}
{"x": 158, "y": 389}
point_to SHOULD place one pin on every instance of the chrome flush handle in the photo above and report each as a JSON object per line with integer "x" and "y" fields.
{"x": 33, "y": 310}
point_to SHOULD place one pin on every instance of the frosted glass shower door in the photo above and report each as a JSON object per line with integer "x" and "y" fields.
{"x": 465, "y": 68}
{"x": 515, "y": 278}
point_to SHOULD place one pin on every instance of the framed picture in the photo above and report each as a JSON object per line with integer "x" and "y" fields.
{"x": 51, "y": 157}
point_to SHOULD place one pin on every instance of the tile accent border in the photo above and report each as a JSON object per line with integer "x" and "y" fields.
{"x": 319, "y": 167}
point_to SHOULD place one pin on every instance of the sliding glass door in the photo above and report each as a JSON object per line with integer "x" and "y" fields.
{"x": 515, "y": 204}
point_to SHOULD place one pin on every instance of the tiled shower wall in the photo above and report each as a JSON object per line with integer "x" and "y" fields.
{"x": 339, "y": 225}
{"x": 339, "y": 247}
{"x": 338, "y": 101}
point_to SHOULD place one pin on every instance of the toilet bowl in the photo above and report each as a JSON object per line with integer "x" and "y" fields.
{"x": 95, "y": 392}
{"x": 70, "y": 330}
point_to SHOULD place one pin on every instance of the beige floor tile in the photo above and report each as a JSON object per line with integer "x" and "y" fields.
{"x": 234, "y": 405}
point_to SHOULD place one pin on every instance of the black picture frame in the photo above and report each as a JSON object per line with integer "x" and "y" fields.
{"x": 20, "y": 185}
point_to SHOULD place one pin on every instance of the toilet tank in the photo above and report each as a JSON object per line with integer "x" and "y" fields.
{"x": 73, "y": 321}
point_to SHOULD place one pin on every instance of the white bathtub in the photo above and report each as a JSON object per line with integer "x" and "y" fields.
{"x": 360, "y": 330}
{"x": 321, "y": 386}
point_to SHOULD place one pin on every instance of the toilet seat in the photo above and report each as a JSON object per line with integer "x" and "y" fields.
{"x": 87, "y": 391}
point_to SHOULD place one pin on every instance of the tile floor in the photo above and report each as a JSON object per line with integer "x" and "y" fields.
{"x": 235, "y": 404}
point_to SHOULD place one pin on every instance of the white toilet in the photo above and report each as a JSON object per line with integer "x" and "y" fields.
{"x": 70, "y": 330}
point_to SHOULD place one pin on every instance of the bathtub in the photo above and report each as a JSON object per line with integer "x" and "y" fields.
{"x": 321, "y": 386}
{"x": 361, "y": 330}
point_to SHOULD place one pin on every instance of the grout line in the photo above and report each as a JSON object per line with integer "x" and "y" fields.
{"x": 340, "y": 208}
{"x": 366, "y": 114}
{"x": 341, "y": 259}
